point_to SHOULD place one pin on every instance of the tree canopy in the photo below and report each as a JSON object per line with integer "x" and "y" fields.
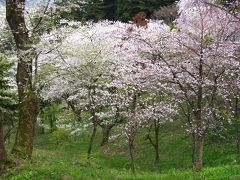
{"x": 122, "y": 10}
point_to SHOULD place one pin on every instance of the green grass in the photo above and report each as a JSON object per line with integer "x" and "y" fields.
{"x": 68, "y": 160}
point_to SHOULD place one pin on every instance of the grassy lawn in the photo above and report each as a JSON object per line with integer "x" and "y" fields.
{"x": 67, "y": 160}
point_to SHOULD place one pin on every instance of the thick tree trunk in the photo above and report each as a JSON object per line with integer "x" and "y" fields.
{"x": 106, "y": 133}
{"x": 3, "y": 154}
{"x": 199, "y": 153}
{"x": 27, "y": 119}
{"x": 28, "y": 101}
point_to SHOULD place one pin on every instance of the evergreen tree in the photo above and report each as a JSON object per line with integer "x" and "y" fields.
{"x": 110, "y": 8}
{"x": 6, "y": 96}
{"x": 6, "y": 102}
{"x": 126, "y": 9}
{"x": 95, "y": 10}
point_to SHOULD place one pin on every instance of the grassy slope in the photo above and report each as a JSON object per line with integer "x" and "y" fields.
{"x": 68, "y": 160}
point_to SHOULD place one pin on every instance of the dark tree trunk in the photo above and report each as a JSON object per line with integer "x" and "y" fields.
{"x": 199, "y": 138}
{"x": 199, "y": 153}
{"x": 155, "y": 142}
{"x": 42, "y": 128}
{"x": 7, "y": 136}
{"x": 28, "y": 101}
{"x": 77, "y": 112}
{"x": 106, "y": 133}
{"x": 237, "y": 142}
{"x": 236, "y": 116}
{"x": 3, "y": 154}
{"x": 200, "y": 131}
{"x": 94, "y": 131}
{"x": 193, "y": 148}
{"x": 131, "y": 152}
{"x": 132, "y": 133}
{"x": 51, "y": 123}
{"x": 25, "y": 133}
{"x": 199, "y": 121}
{"x": 106, "y": 129}
{"x": 79, "y": 116}
{"x": 156, "y": 147}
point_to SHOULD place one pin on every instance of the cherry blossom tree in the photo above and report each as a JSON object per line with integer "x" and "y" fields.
{"x": 137, "y": 74}
{"x": 149, "y": 92}
{"x": 232, "y": 104}
{"x": 199, "y": 57}
{"x": 84, "y": 67}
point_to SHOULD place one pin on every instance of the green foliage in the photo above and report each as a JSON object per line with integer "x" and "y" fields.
{"x": 68, "y": 160}
{"x": 59, "y": 135}
{"x": 49, "y": 115}
{"x": 6, "y": 96}
{"x": 122, "y": 10}
{"x": 208, "y": 39}
{"x": 127, "y": 9}
{"x": 7, "y": 44}
{"x": 172, "y": 26}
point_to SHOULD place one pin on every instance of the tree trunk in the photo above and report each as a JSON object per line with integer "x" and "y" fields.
{"x": 3, "y": 154}
{"x": 77, "y": 112}
{"x": 199, "y": 153}
{"x": 198, "y": 115}
{"x": 51, "y": 123}
{"x": 199, "y": 138}
{"x": 132, "y": 133}
{"x": 106, "y": 133}
{"x": 156, "y": 126}
{"x": 155, "y": 142}
{"x": 28, "y": 101}
{"x": 79, "y": 116}
{"x": 42, "y": 127}
{"x": 92, "y": 136}
{"x": 25, "y": 133}
{"x": 7, "y": 136}
{"x": 237, "y": 129}
{"x": 193, "y": 148}
{"x": 131, "y": 152}
{"x": 237, "y": 142}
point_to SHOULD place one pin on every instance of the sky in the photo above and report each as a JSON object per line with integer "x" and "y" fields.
{"x": 28, "y": 1}
{"x": 2, "y": 2}
{"x": 2, "y": 9}
{"x": 2, "y": 12}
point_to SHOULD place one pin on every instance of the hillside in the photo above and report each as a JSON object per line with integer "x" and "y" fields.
{"x": 67, "y": 160}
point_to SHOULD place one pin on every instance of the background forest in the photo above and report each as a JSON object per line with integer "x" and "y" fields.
{"x": 119, "y": 89}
